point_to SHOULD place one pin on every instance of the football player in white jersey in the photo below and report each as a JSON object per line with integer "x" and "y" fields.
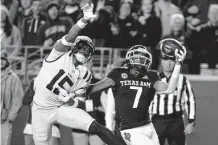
{"x": 60, "y": 83}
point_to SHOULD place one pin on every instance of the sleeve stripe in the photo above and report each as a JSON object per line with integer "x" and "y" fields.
{"x": 158, "y": 103}
{"x": 90, "y": 77}
{"x": 183, "y": 89}
{"x": 188, "y": 100}
{"x": 87, "y": 72}
{"x": 191, "y": 100}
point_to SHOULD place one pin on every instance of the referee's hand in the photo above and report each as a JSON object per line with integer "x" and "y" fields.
{"x": 189, "y": 128}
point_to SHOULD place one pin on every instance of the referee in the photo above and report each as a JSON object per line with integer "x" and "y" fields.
{"x": 167, "y": 109}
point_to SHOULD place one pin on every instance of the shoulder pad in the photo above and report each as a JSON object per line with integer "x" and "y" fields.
{"x": 116, "y": 72}
{"x": 84, "y": 73}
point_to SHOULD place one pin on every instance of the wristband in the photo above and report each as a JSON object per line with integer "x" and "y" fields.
{"x": 81, "y": 24}
{"x": 178, "y": 62}
{"x": 65, "y": 43}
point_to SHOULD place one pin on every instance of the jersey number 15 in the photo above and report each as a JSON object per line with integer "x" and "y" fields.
{"x": 61, "y": 82}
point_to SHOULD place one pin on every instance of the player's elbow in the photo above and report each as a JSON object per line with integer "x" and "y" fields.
{"x": 168, "y": 89}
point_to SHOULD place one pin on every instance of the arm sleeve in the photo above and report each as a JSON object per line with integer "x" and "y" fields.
{"x": 154, "y": 75}
{"x": 17, "y": 92}
{"x": 190, "y": 103}
{"x": 70, "y": 23}
{"x": 110, "y": 111}
{"x": 168, "y": 88}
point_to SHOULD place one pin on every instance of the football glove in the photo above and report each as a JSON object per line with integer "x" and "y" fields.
{"x": 180, "y": 54}
{"x": 64, "y": 96}
{"x": 88, "y": 11}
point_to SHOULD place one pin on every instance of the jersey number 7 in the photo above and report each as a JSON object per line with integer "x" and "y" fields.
{"x": 61, "y": 83}
{"x": 138, "y": 95}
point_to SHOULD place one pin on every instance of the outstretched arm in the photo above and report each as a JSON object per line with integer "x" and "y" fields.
{"x": 164, "y": 88}
{"x": 101, "y": 85}
{"x": 67, "y": 40}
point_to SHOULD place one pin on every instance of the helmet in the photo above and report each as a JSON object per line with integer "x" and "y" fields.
{"x": 83, "y": 49}
{"x": 138, "y": 56}
{"x": 168, "y": 47}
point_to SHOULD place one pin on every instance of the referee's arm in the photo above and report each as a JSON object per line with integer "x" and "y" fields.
{"x": 190, "y": 103}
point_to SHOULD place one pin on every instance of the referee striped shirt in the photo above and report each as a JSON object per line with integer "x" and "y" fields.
{"x": 174, "y": 104}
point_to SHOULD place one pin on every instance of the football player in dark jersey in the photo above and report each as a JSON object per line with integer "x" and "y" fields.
{"x": 134, "y": 88}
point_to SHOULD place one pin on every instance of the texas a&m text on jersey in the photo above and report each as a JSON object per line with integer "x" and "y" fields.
{"x": 133, "y": 96}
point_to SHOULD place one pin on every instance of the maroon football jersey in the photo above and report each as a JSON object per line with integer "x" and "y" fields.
{"x": 133, "y": 96}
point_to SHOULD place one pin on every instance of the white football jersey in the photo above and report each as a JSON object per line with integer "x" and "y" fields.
{"x": 57, "y": 71}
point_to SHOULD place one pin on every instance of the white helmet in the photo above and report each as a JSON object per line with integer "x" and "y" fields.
{"x": 138, "y": 55}
{"x": 83, "y": 49}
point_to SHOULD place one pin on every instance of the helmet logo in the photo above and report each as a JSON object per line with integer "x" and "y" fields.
{"x": 124, "y": 75}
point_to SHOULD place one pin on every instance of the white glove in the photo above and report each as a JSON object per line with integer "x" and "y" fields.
{"x": 64, "y": 96}
{"x": 88, "y": 11}
{"x": 80, "y": 91}
{"x": 180, "y": 54}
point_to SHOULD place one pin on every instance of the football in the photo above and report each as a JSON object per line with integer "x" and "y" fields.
{"x": 168, "y": 47}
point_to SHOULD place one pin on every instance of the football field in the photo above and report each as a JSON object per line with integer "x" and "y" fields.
{"x": 206, "y": 129}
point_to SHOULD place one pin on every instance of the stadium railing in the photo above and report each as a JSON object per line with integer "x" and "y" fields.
{"x": 28, "y": 62}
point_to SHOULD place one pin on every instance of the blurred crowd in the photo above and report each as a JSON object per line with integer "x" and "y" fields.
{"x": 119, "y": 24}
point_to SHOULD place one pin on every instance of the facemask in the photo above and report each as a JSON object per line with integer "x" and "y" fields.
{"x": 80, "y": 58}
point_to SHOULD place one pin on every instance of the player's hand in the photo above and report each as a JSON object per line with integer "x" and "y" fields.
{"x": 64, "y": 96}
{"x": 88, "y": 11}
{"x": 180, "y": 54}
{"x": 189, "y": 128}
